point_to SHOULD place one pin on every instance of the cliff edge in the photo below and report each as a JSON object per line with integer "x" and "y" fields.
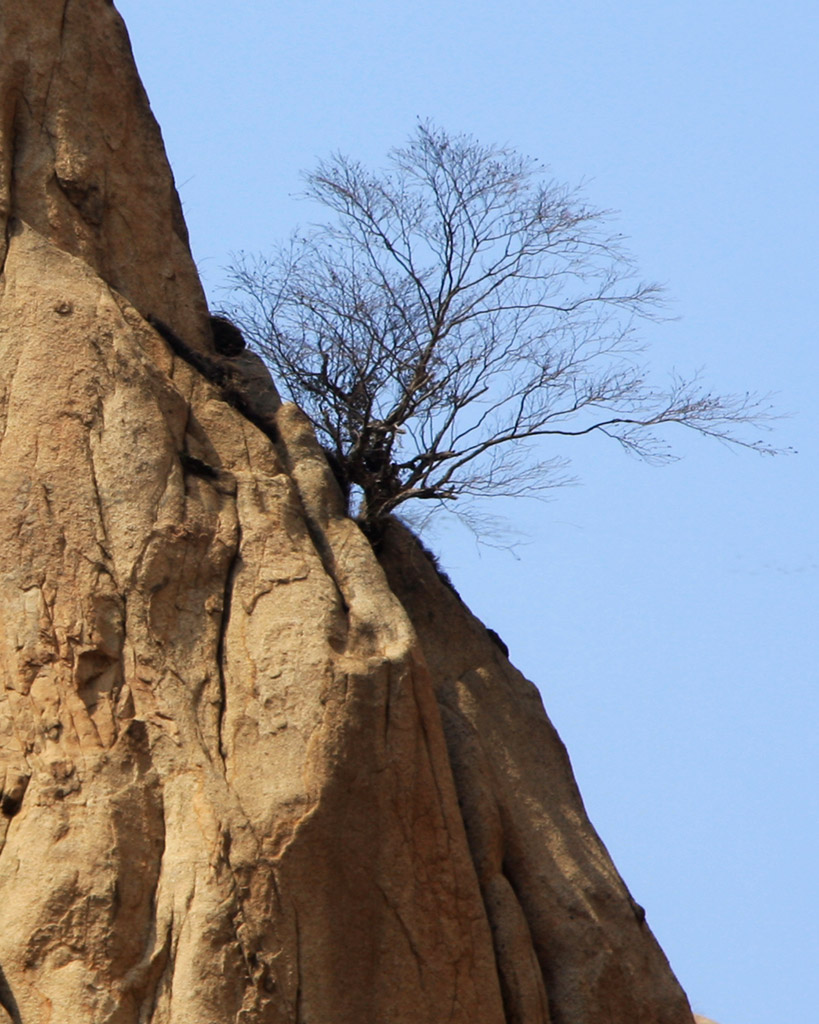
{"x": 251, "y": 769}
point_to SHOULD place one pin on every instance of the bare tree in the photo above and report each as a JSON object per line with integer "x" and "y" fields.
{"x": 459, "y": 315}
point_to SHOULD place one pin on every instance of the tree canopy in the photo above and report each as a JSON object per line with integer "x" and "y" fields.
{"x": 456, "y": 321}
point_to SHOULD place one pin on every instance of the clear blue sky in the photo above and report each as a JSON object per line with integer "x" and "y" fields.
{"x": 669, "y": 616}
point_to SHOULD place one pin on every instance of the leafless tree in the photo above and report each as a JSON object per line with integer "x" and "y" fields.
{"x": 459, "y": 315}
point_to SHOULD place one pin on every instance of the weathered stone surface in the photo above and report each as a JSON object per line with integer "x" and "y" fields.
{"x": 82, "y": 157}
{"x": 567, "y": 933}
{"x": 249, "y": 773}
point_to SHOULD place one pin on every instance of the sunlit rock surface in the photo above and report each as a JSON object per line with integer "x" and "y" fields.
{"x": 251, "y": 770}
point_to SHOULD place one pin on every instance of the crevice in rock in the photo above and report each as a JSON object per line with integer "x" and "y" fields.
{"x": 315, "y": 530}
{"x": 161, "y": 964}
{"x": 7, "y": 1000}
{"x": 298, "y": 1019}
{"x": 193, "y": 466}
{"x": 324, "y": 552}
{"x": 144, "y": 981}
{"x": 221, "y": 654}
{"x": 12, "y": 792}
{"x": 64, "y": 20}
{"x": 239, "y": 921}
{"x": 230, "y": 388}
{"x": 405, "y": 930}
{"x": 225, "y": 378}
{"x": 510, "y": 1002}
{"x": 101, "y": 506}
{"x": 9, "y": 164}
{"x": 85, "y": 197}
{"x": 4, "y": 249}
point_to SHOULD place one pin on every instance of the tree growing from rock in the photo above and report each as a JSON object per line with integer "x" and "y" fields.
{"x": 457, "y": 322}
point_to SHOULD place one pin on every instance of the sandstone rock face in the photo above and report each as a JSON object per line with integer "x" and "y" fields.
{"x": 567, "y": 933}
{"x": 251, "y": 771}
{"x": 82, "y": 159}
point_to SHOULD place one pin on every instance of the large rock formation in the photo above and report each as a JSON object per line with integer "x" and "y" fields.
{"x": 251, "y": 770}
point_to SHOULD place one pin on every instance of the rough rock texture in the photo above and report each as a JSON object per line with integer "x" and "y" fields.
{"x": 250, "y": 772}
{"x": 567, "y": 933}
{"x": 82, "y": 159}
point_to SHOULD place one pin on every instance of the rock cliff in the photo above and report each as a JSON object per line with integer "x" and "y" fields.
{"x": 251, "y": 769}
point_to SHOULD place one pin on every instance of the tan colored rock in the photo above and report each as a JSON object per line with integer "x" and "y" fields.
{"x": 562, "y": 919}
{"x": 77, "y": 136}
{"x": 249, "y": 773}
